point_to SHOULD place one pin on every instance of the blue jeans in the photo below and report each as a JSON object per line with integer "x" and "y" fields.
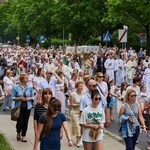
{"x": 131, "y": 141}
{"x": 5, "y": 101}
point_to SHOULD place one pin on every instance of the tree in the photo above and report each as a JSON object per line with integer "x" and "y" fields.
{"x": 133, "y": 13}
{"x": 82, "y": 18}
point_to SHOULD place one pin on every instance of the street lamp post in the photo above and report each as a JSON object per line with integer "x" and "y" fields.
{"x": 63, "y": 36}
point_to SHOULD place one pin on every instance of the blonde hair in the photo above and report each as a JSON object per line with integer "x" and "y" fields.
{"x": 129, "y": 91}
{"x": 8, "y": 72}
{"x": 21, "y": 77}
{"x": 86, "y": 77}
{"x": 98, "y": 74}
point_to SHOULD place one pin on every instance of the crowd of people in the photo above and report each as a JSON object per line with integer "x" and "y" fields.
{"x": 46, "y": 80}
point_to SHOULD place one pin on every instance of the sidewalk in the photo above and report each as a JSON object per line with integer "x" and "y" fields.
{"x": 7, "y": 127}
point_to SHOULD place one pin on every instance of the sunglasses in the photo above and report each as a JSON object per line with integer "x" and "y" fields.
{"x": 94, "y": 85}
{"x": 49, "y": 73}
{"x": 133, "y": 95}
{"x": 100, "y": 76}
{"x": 97, "y": 98}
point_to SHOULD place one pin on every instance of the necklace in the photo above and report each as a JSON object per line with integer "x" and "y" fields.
{"x": 131, "y": 106}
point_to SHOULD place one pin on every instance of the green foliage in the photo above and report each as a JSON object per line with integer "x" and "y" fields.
{"x": 133, "y": 13}
{"x": 4, "y": 144}
{"x": 81, "y": 18}
{"x": 93, "y": 42}
{"x": 59, "y": 42}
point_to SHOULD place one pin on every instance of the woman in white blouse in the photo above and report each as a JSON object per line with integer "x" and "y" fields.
{"x": 36, "y": 81}
{"x": 8, "y": 85}
{"x": 75, "y": 112}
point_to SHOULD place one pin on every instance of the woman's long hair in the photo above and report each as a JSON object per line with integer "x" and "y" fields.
{"x": 54, "y": 104}
{"x": 45, "y": 91}
{"x": 129, "y": 91}
{"x": 122, "y": 86}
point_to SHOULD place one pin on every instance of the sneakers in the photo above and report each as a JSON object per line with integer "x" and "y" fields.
{"x": 8, "y": 108}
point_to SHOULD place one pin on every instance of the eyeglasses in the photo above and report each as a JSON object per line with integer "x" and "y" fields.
{"x": 133, "y": 95}
{"x": 93, "y": 85}
{"x": 97, "y": 98}
{"x": 100, "y": 76}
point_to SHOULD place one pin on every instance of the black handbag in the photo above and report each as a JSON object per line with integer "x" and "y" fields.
{"x": 15, "y": 112}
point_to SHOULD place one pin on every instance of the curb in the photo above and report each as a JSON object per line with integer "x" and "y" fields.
{"x": 118, "y": 138}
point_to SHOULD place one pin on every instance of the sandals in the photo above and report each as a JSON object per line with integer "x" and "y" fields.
{"x": 24, "y": 140}
{"x": 18, "y": 137}
{"x": 78, "y": 145}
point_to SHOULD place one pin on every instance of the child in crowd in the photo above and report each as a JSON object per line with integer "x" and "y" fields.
{"x": 143, "y": 95}
{"x": 121, "y": 94}
{"x": 113, "y": 95}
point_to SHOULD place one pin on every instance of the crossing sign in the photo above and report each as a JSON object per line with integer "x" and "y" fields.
{"x": 106, "y": 37}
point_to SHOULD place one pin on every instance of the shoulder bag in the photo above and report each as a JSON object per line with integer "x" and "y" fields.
{"x": 135, "y": 118}
{"x": 15, "y": 112}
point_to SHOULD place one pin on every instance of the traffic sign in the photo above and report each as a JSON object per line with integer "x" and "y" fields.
{"x": 27, "y": 38}
{"x": 141, "y": 35}
{"x": 122, "y": 36}
{"x": 42, "y": 39}
{"x": 17, "y": 38}
{"x": 106, "y": 37}
{"x": 141, "y": 39}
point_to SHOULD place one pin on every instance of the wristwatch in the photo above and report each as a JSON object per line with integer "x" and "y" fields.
{"x": 69, "y": 140}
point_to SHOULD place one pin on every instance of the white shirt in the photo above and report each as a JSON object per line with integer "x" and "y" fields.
{"x": 51, "y": 84}
{"x": 9, "y": 83}
{"x": 9, "y": 61}
{"x": 38, "y": 80}
{"x": 92, "y": 116}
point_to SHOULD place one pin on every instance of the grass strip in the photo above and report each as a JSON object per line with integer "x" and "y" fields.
{"x": 4, "y": 145}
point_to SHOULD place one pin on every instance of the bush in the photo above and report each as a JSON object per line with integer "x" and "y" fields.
{"x": 93, "y": 42}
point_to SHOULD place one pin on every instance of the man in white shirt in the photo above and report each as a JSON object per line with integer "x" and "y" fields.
{"x": 110, "y": 66}
{"x": 50, "y": 65}
{"x": 130, "y": 70}
{"x": 146, "y": 61}
{"x": 9, "y": 61}
{"x": 119, "y": 70}
{"x": 50, "y": 82}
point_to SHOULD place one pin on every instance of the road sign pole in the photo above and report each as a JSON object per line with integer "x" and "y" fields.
{"x": 125, "y": 44}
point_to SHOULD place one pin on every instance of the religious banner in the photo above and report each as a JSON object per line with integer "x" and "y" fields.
{"x": 82, "y": 49}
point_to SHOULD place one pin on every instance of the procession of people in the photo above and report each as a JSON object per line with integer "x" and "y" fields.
{"x": 50, "y": 80}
